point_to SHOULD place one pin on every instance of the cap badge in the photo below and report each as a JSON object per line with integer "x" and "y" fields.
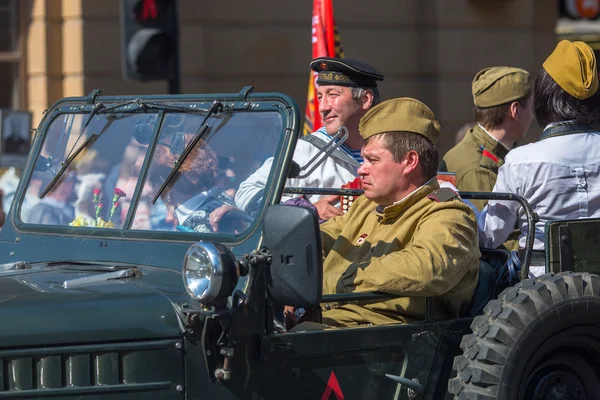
{"x": 323, "y": 66}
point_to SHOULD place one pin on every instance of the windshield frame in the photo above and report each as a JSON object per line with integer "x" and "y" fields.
{"x": 254, "y": 102}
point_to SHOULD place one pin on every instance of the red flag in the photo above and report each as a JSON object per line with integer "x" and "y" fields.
{"x": 325, "y": 43}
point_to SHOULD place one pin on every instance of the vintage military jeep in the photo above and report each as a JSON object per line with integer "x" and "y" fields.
{"x": 115, "y": 283}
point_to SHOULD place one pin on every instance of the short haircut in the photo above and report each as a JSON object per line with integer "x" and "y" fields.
{"x": 358, "y": 92}
{"x": 400, "y": 143}
{"x": 552, "y": 104}
{"x": 491, "y": 117}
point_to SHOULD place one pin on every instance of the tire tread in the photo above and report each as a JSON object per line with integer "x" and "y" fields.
{"x": 487, "y": 349}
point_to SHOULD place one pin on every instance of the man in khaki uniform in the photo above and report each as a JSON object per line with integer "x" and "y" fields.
{"x": 503, "y": 111}
{"x": 405, "y": 235}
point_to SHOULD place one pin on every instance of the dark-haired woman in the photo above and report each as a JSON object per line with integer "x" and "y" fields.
{"x": 559, "y": 175}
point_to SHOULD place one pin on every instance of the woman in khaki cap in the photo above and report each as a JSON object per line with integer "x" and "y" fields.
{"x": 560, "y": 174}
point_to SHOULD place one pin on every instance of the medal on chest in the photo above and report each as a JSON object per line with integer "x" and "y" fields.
{"x": 345, "y": 200}
{"x": 361, "y": 239}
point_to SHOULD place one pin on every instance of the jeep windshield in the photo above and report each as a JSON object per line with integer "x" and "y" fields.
{"x": 127, "y": 167}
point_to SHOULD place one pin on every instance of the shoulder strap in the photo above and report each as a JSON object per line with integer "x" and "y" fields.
{"x": 443, "y": 194}
{"x": 338, "y": 153}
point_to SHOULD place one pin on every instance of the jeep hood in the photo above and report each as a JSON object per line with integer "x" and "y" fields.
{"x": 95, "y": 306}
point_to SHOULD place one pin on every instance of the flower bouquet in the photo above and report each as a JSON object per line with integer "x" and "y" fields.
{"x": 98, "y": 221}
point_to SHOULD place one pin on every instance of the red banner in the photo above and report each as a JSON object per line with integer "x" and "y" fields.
{"x": 325, "y": 43}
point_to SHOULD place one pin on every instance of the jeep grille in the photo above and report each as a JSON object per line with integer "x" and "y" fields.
{"x": 155, "y": 367}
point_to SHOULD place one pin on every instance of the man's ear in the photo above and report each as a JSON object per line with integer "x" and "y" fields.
{"x": 367, "y": 99}
{"x": 514, "y": 109}
{"x": 412, "y": 161}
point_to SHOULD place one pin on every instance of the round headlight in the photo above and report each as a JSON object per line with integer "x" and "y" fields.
{"x": 209, "y": 271}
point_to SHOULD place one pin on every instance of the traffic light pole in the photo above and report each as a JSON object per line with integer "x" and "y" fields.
{"x": 175, "y": 75}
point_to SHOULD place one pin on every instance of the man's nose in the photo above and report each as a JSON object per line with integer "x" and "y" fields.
{"x": 324, "y": 104}
{"x": 362, "y": 169}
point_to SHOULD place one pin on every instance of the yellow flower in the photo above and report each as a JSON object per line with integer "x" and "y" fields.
{"x": 100, "y": 223}
{"x": 79, "y": 221}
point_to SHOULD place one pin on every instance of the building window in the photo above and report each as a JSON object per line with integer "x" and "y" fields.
{"x": 12, "y": 49}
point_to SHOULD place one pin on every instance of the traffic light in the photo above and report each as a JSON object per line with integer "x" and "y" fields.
{"x": 149, "y": 40}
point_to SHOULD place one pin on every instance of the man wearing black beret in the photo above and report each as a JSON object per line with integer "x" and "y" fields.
{"x": 346, "y": 90}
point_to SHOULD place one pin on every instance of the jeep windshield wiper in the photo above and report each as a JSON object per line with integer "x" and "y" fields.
{"x": 216, "y": 107}
{"x": 87, "y": 266}
{"x": 73, "y": 154}
{"x": 145, "y": 106}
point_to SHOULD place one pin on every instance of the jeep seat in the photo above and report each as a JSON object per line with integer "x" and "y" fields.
{"x": 484, "y": 290}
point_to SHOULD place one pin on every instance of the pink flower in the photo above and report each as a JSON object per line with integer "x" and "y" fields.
{"x": 112, "y": 210}
{"x": 118, "y": 194}
{"x": 96, "y": 196}
{"x": 99, "y": 210}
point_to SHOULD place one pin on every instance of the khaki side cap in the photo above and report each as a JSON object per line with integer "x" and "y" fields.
{"x": 402, "y": 114}
{"x": 500, "y": 85}
{"x": 572, "y": 65}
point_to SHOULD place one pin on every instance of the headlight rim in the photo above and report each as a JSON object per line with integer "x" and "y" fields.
{"x": 216, "y": 280}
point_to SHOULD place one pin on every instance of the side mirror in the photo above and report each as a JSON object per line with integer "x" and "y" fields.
{"x": 293, "y": 237}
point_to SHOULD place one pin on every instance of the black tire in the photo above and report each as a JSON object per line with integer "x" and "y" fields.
{"x": 539, "y": 340}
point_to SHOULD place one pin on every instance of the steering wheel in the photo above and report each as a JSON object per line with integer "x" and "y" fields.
{"x": 235, "y": 221}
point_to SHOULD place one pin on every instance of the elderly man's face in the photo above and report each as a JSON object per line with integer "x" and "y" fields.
{"x": 383, "y": 179}
{"x": 337, "y": 108}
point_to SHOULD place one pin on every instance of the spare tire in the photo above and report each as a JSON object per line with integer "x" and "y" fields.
{"x": 539, "y": 340}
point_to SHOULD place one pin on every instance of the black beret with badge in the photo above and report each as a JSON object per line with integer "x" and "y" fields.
{"x": 345, "y": 72}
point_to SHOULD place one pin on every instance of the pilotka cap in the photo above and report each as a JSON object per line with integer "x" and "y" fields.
{"x": 572, "y": 65}
{"x": 500, "y": 85}
{"x": 402, "y": 114}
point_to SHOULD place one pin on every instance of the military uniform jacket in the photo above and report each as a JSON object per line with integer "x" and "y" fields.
{"x": 476, "y": 160}
{"x": 425, "y": 245}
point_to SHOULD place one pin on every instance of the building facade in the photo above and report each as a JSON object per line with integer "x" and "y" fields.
{"x": 427, "y": 49}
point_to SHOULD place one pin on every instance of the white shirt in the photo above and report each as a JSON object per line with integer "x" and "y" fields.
{"x": 332, "y": 173}
{"x": 558, "y": 176}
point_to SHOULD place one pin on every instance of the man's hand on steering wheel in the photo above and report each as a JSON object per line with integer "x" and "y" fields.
{"x": 229, "y": 218}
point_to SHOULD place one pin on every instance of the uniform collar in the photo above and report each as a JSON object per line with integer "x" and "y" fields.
{"x": 489, "y": 142}
{"x": 553, "y": 124}
{"x": 565, "y": 128}
{"x": 395, "y": 210}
